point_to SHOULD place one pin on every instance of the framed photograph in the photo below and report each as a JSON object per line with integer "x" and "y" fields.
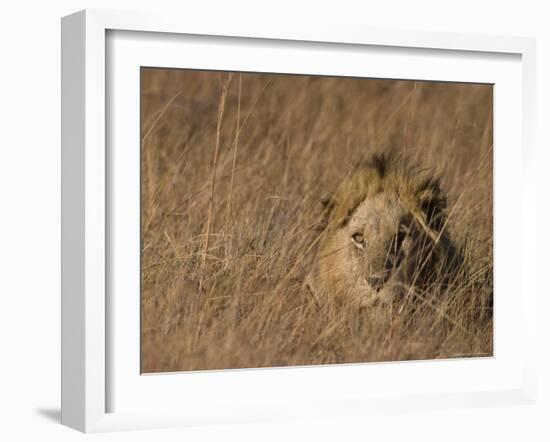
{"x": 264, "y": 222}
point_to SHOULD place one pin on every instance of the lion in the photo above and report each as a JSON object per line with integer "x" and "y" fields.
{"x": 384, "y": 234}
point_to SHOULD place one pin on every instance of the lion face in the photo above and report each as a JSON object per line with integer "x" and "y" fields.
{"x": 376, "y": 237}
{"x": 383, "y": 232}
{"x": 363, "y": 256}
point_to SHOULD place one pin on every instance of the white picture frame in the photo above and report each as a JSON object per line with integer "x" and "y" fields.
{"x": 87, "y": 353}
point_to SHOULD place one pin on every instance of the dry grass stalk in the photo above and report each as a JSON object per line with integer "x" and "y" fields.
{"x": 236, "y": 146}
{"x": 221, "y": 109}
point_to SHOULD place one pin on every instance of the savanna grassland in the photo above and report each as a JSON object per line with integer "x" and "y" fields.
{"x": 233, "y": 167}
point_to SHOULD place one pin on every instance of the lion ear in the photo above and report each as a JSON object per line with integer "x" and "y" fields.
{"x": 431, "y": 192}
{"x": 327, "y": 204}
{"x": 426, "y": 196}
{"x": 433, "y": 203}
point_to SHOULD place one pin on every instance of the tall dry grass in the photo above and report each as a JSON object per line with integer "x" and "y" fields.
{"x": 233, "y": 167}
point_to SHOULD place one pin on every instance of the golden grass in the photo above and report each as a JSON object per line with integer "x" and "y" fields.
{"x": 233, "y": 167}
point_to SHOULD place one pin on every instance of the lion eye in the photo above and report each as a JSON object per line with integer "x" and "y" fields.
{"x": 358, "y": 239}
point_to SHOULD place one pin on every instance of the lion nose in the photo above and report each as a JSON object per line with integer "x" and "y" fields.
{"x": 376, "y": 281}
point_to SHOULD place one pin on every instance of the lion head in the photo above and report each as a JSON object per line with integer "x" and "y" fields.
{"x": 384, "y": 231}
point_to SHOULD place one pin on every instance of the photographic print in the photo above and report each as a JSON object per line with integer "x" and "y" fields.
{"x": 295, "y": 220}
